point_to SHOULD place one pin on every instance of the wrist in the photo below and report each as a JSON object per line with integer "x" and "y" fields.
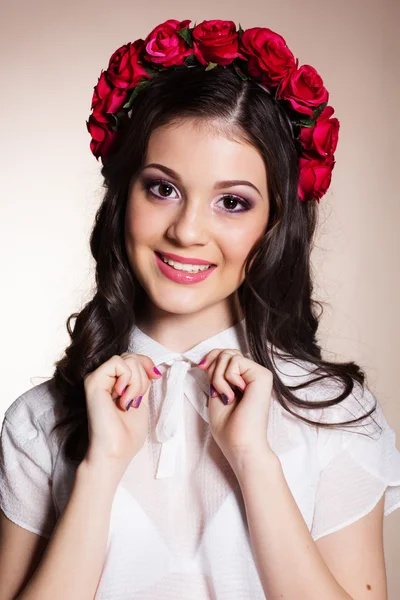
{"x": 256, "y": 463}
{"x": 103, "y": 475}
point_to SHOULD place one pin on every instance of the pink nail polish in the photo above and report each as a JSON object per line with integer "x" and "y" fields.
{"x": 156, "y": 371}
{"x": 137, "y": 402}
{"x": 129, "y": 404}
{"x": 202, "y": 362}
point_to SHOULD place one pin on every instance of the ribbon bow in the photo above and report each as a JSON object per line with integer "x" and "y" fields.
{"x": 170, "y": 428}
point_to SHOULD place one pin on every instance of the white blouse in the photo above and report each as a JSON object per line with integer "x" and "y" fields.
{"x": 178, "y": 524}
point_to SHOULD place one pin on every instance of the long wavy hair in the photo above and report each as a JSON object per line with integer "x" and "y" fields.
{"x": 275, "y": 296}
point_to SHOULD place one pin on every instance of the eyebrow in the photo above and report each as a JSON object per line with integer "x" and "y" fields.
{"x": 217, "y": 186}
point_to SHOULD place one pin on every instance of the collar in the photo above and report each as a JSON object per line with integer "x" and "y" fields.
{"x": 184, "y": 381}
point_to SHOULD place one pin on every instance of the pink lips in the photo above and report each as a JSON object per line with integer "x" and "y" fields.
{"x": 187, "y": 261}
{"x": 182, "y": 276}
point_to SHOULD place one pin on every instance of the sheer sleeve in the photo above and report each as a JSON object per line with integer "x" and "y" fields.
{"x": 357, "y": 466}
{"x": 25, "y": 477}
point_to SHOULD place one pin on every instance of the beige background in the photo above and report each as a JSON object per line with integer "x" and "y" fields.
{"x": 51, "y": 55}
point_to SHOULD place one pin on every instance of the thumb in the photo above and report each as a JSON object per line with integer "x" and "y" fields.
{"x": 149, "y": 366}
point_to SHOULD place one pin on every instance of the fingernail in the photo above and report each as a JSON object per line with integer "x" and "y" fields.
{"x": 212, "y": 390}
{"x": 129, "y": 404}
{"x": 137, "y": 402}
{"x": 202, "y": 362}
{"x": 224, "y": 398}
{"x": 123, "y": 391}
{"x": 156, "y": 371}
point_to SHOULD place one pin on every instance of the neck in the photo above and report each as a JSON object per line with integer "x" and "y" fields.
{"x": 181, "y": 332}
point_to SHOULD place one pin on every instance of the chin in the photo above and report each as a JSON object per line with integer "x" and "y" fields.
{"x": 178, "y": 302}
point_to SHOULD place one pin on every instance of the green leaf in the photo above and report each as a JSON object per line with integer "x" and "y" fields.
{"x": 239, "y": 72}
{"x": 240, "y": 33}
{"x": 178, "y": 68}
{"x": 191, "y": 60}
{"x": 150, "y": 70}
{"x": 115, "y": 125}
{"x": 210, "y": 66}
{"x": 305, "y": 121}
{"x": 186, "y": 34}
{"x": 299, "y": 147}
{"x": 135, "y": 92}
{"x": 317, "y": 111}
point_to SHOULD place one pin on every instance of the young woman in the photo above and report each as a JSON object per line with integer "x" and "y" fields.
{"x": 193, "y": 443}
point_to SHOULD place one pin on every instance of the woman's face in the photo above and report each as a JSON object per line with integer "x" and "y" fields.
{"x": 197, "y": 211}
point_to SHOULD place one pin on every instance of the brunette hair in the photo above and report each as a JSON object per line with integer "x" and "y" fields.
{"x": 275, "y": 296}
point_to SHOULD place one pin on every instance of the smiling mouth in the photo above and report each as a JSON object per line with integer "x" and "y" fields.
{"x": 188, "y": 268}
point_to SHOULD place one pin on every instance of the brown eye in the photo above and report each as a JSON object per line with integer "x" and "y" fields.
{"x": 165, "y": 189}
{"x": 230, "y": 202}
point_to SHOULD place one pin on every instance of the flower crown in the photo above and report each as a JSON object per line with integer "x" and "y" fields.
{"x": 256, "y": 53}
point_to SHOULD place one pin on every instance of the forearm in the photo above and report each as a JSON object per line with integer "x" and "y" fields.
{"x": 289, "y": 563}
{"x": 73, "y": 560}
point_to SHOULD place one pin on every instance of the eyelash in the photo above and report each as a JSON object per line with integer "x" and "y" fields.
{"x": 152, "y": 182}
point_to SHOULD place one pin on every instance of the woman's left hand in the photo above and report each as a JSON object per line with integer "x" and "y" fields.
{"x": 239, "y": 427}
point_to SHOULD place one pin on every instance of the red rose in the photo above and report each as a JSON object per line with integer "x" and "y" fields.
{"x": 315, "y": 178}
{"x": 323, "y": 137}
{"x": 165, "y": 46}
{"x": 124, "y": 68}
{"x": 304, "y": 89}
{"x": 216, "y": 41}
{"x": 102, "y": 137}
{"x": 106, "y": 99}
{"x": 268, "y": 56}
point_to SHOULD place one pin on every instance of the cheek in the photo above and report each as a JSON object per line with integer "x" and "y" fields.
{"x": 236, "y": 246}
{"x": 142, "y": 223}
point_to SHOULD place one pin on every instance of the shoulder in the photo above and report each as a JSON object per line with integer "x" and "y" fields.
{"x": 358, "y": 427}
{"x": 358, "y": 448}
{"x": 34, "y": 411}
{"x": 29, "y": 451}
{"x": 319, "y": 387}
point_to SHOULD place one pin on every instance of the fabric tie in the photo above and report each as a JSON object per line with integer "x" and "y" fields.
{"x": 184, "y": 381}
{"x": 170, "y": 428}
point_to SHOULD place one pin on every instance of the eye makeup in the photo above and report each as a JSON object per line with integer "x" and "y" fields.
{"x": 150, "y": 182}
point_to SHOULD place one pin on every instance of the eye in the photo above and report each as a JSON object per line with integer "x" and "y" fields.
{"x": 235, "y": 200}
{"x": 166, "y": 187}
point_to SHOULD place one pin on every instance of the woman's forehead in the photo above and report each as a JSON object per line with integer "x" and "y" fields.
{"x": 194, "y": 147}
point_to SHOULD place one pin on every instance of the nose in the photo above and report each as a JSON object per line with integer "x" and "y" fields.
{"x": 191, "y": 224}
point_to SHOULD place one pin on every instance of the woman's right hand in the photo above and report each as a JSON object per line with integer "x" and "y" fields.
{"x": 115, "y": 433}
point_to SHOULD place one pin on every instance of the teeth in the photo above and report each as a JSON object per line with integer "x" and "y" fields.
{"x": 184, "y": 267}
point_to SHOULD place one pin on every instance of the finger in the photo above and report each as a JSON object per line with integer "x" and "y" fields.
{"x": 211, "y": 363}
{"x": 146, "y": 364}
{"x": 124, "y": 380}
{"x": 135, "y": 386}
{"x": 107, "y": 374}
{"x": 146, "y": 385}
{"x": 233, "y": 373}
{"x": 149, "y": 366}
{"x": 218, "y": 378}
{"x": 209, "y": 358}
